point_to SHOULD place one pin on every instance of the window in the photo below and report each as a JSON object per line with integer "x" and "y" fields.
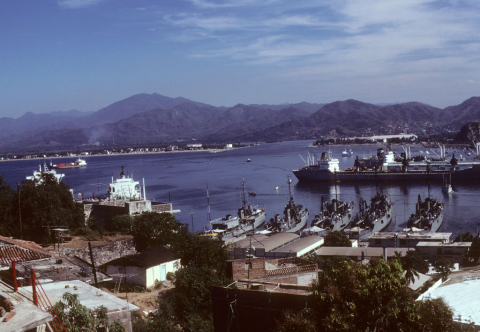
{"x": 175, "y": 265}
{"x": 248, "y": 266}
{"x": 403, "y": 242}
{"x": 378, "y": 241}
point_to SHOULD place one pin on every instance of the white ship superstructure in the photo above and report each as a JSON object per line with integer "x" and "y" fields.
{"x": 124, "y": 188}
{"x": 37, "y": 175}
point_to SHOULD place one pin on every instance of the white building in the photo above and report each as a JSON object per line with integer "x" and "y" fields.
{"x": 143, "y": 268}
{"x": 405, "y": 239}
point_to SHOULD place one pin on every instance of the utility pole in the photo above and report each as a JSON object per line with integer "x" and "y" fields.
{"x": 19, "y": 211}
{"x": 93, "y": 264}
{"x": 193, "y": 229}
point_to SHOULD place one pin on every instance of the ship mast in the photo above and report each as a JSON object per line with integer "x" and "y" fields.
{"x": 244, "y": 195}
{"x": 209, "y": 218}
{"x": 290, "y": 188}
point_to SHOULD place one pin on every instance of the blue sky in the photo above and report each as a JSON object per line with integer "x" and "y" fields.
{"x": 86, "y": 54}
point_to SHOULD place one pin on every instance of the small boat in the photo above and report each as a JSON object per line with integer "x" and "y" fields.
{"x": 447, "y": 186}
{"x": 252, "y": 193}
{"x": 248, "y": 160}
{"x": 347, "y": 153}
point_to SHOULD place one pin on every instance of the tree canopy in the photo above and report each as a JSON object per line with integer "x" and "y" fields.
{"x": 337, "y": 239}
{"x": 151, "y": 229}
{"x": 43, "y": 203}
{"x": 78, "y": 318}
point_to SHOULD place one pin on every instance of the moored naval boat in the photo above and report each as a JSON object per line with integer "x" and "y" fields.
{"x": 294, "y": 219}
{"x": 335, "y": 215}
{"x": 37, "y": 175}
{"x": 371, "y": 218}
{"x": 428, "y": 215}
{"x": 386, "y": 167}
{"x": 248, "y": 219}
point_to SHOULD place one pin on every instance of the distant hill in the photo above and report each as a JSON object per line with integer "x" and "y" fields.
{"x": 469, "y": 132}
{"x": 156, "y": 119}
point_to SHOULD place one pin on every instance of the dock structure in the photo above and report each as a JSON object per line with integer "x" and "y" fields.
{"x": 405, "y": 239}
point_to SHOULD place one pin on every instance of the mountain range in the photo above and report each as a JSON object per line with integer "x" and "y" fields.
{"x": 149, "y": 119}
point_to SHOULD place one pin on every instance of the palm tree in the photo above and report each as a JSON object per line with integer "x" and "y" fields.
{"x": 410, "y": 265}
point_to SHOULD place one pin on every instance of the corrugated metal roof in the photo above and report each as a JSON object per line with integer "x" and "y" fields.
{"x": 146, "y": 259}
{"x": 349, "y": 251}
{"x": 20, "y": 251}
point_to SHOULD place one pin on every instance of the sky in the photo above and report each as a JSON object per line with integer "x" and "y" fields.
{"x": 86, "y": 54}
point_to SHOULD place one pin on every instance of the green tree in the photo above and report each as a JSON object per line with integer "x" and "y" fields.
{"x": 7, "y": 221}
{"x": 474, "y": 251}
{"x": 466, "y": 237}
{"x": 337, "y": 239}
{"x": 189, "y": 304}
{"x": 78, "y": 318}
{"x": 354, "y": 297}
{"x": 151, "y": 229}
{"x": 47, "y": 203}
{"x": 435, "y": 315}
{"x": 296, "y": 321}
{"x": 122, "y": 224}
{"x": 412, "y": 263}
{"x": 443, "y": 267}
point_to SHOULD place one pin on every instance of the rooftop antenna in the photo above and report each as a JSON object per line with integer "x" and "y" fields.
{"x": 209, "y": 218}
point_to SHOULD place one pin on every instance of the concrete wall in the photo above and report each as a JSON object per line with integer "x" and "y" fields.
{"x": 141, "y": 276}
{"x": 452, "y": 254}
{"x": 161, "y": 207}
{"x": 138, "y": 207}
{"x": 154, "y": 273}
{"x": 123, "y": 316}
{"x": 105, "y": 253}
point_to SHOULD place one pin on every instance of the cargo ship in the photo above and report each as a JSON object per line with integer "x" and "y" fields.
{"x": 77, "y": 163}
{"x": 294, "y": 219}
{"x": 371, "y": 218}
{"x": 428, "y": 215}
{"x": 335, "y": 215}
{"x": 385, "y": 167}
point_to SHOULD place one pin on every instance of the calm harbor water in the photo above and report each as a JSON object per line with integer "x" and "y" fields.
{"x": 182, "y": 177}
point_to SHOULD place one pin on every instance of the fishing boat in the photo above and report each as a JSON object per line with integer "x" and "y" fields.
{"x": 294, "y": 219}
{"x": 335, "y": 215}
{"x": 248, "y": 219}
{"x": 371, "y": 218}
{"x": 38, "y": 176}
{"x": 428, "y": 215}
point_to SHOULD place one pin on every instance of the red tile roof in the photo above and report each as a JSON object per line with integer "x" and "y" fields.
{"x": 20, "y": 251}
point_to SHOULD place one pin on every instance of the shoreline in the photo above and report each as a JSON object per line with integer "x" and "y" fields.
{"x": 126, "y": 154}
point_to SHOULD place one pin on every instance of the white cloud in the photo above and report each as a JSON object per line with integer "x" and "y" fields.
{"x": 73, "y": 4}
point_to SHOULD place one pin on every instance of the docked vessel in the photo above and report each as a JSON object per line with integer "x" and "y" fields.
{"x": 37, "y": 175}
{"x": 371, "y": 218}
{"x": 77, "y": 163}
{"x": 247, "y": 219}
{"x": 335, "y": 215}
{"x": 384, "y": 167}
{"x": 294, "y": 219}
{"x": 428, "y": 215}
{"x": 125, "y": 188}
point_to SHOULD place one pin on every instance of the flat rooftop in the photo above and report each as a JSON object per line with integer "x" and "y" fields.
{"x": 307, "y": 243}
{"x": 367, "y": 251}
{"x": 28, "y": 316}
{"x": 448, "y": 244}
{"x": 269, "y": 243}
{"x": 412, "y": 235}
{"x": 88, "y": 296}
{"x": 463, "y": 298}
